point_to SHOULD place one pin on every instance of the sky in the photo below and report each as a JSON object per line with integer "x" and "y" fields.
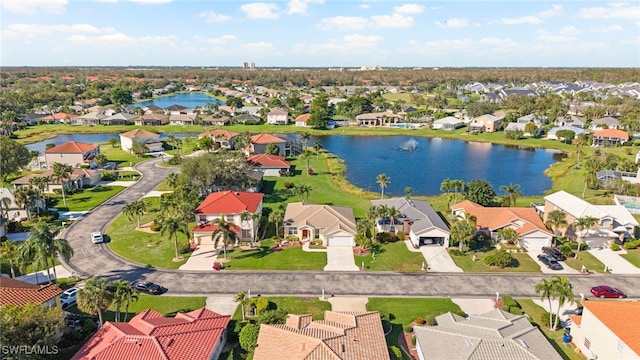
{"x": 320, "y": 33}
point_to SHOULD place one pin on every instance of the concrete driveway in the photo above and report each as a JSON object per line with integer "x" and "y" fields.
{"x": 340, "y": 258}
{"x": 567, "y": 270}
{"x": 436, "y": 257}
{"x": 616, "y": 263}
{"x": 202, "y": 258}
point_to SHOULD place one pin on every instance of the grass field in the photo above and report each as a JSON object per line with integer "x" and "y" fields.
{"x": 294, "y": 305}
{"x": 119, "y": 156}
{"x": 393, "y": 257}
{"x": 466, "y": 263}
{"x": 87, "y": 199}
{"x": 290, "y": 258}
{"x": 633, "y": 256}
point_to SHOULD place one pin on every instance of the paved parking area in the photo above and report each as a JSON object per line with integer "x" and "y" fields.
{"x": 436, "y": 257}
{"x": 340, "y": 258}
{"x": 616, "y": 263}
{"x": 567, "y": 270}
{"x": 202, "y": 258}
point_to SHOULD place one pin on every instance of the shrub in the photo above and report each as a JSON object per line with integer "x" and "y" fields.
{"x": 501, "y": 259}
{"x": 175, "y": 160}
{"x": 291, "y": 238}
{"x": 515, "y": 310}
{"x": 565, "y": 249}
{"x": 14, "y": 227}
{"x": 382, "y": 237}
{"x": 430, "y": 321}
{"x": 408, "y": 329}
{"x": 277, "y": 316}
{"x": 165, "y": 195}
{"x": 400, "y": 235}
{"x": 632, "y": 244}
{"x": 249, "y": 337}
{"x": 456, "y": 252}
{"x": 184, "y": 248}
{"x": 310, "y": 171}
{"x": 395, "y": 351}
{"x": 155, "y": 227}
{"x": 289, "y": 185}
{"x": 48, "y": 215}
{"x": 414, "y": 340}
{"x": 615, "y": 247}
{"x": 544, "y": 319}
{"x": 262, "y": 304}
{"x": 508, "y": 301}
{"x": 419, "y": 320}
{"x": 89, "y": 325}
{"x": 393, "y": 238}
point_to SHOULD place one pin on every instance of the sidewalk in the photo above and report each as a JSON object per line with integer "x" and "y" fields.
{"x": 42, "y": 275}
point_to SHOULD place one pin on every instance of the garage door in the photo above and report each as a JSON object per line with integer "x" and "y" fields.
{"x": 534, "y": 243}
{"x": 340, "y": 241}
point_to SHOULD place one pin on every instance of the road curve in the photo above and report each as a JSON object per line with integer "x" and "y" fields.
{"x": 91, "y": 259}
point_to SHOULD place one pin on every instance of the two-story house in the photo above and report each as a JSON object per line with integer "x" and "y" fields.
{"x": 72, "y": 153}
{"x": 278, "y": 116}
{"x": 485, "y": 123}
{"x": 151, "y": 140}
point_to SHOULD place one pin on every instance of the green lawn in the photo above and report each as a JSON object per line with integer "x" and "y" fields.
{"x": 290, "y": 258}
{"x": 393, "y": 257}
{"x": 466, "y": 263}
{"x": 294, "y": 305}
{"x": 87, "y": 199}
{"x": 121, "y": 157}
{"x": 132, "y": 244}
{"x": 589, "y": 261}
{"x": 633, "y": 256}
{"x": 535, "y": 312}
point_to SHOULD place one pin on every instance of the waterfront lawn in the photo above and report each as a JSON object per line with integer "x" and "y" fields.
{"x": 293, "y": 305}
{"x": 535, "y": 313}
{"x": 633, "y": 256}
{"x": 392, "y": 257}
{"x": 288, "y": 258}
{"x": 466, "y": 263}
{"x": 121, "y": 157}
{"x": 87, "y": 199}
{"x": 134, "y": 245}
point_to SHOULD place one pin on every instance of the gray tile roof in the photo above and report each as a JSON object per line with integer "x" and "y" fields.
{"x": 421, "y": 214}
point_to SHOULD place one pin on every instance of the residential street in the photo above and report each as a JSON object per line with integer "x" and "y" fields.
{"x": 91, "y": 259}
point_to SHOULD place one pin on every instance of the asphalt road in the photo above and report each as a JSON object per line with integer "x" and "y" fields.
{"x": 91, "y": 259}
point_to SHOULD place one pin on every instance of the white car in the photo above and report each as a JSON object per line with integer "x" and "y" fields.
{"x": 69, "y": 296}
{"x": 96, "y": 237}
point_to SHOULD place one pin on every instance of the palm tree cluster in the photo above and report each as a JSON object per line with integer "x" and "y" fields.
{"x": 134, "y": 211}
{"x": 176, "y": 212}
{"x": 41, "y": 249}
{"x": 98, "y": 294}
{"x": 558, "y": 288}
{"x": 302, "y": 191}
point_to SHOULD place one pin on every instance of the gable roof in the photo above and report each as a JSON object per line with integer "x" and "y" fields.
{"x": 176, "y": 107}
{"x": 328, "y": 217}
{"x": 278, "y": 111}
{"x": 71, "y": 147}
{"x": 420, "y": 212}
{"x": 149, "y": 335}
{"x": 220, "y": 134}
{"x": 612, "y": 133}
{"x": 621, "y": 317}
{"x": 303, "y": 117}
{"x": 121, "y": 116}
{"x": 268, "y": 161}
{"x": 578, "y": 208}
{"x": 139, "y": 134}
{"x": 266, "y": 139}
{"x": 494, "y": 335}
{"x": 341, "y": 335}
{"x": 494, "y": 218}
{"x": 230, "y": 202}
{"x": 609, "y": 121}
{"x": 16, "y": 292}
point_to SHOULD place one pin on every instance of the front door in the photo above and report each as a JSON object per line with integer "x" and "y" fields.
{"x": 305, "y": 234}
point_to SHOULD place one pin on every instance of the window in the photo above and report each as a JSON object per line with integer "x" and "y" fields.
{"x": 316, "y": 233}
{"x": 246, "y": 233}
{"x": 293, "y": 231}
{"x": 587, "y": 343}
{"x": 605, "y": 222}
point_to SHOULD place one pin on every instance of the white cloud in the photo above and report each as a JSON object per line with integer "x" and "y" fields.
{"x": 300, "y": 6}
{"x": 151, "y": 1}
{"x": 33, "y": 6}
{"x": 454, "y": 23}
{"x": 33, "y": 29}
{"x": 547, "y": 36}
{"x": 260, "y": 10}
{"x": 221, "y": 40}
{"x": 257, "y": 46}
{"x": 409, "y": 9}
{"x": 412, "y": 42}
{"x": 342, "y": 23}
{"x": 612, "y": 11}
{"x": 606, "y": 29}
{"x": 361, "y": 40}
{"x": 363, "y": 6}
{"x": 116, "y": 38}
{"x": 570, "y": 31}
{"x": 556, "y": 10}
{"x": 213, "y": 17}
{"x": 395, "y": 20}
{"x": 159, "y": 38}
{"x": 520, "y": 20}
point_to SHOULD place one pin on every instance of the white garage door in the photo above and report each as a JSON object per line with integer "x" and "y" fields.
{"x": 340, "y": 241}
{"x": 534, "y": 243}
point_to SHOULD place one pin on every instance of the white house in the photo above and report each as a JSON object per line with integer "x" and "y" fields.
{"x": 278, "y": 116}
{"x": 334, "y": 225}
{"x": 448, "y": 123}
{"x": 301, "y": 120}
{"x": 150, "y": 139}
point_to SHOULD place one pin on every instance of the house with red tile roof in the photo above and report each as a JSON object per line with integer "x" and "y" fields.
{"x": 230, "y": 204}
{"x": 302, "y": 120}
{"x": 16, "y": 292}
{"x": 610, "y": 137}
{"x": 78, "y": 179}
{"x": 72, "y": 153}
{"x": 196, "y": 335}
{"x": 532, "y": 233}
{"x": 341, "y": 335}
{"x": 259, "y": 143}
{"x": 221, "y": 138}
{"x": 278, "y": 116}
{"x": 270, "y": 165}
{"x": 58, "y": 118}
{"x": 607, "y": 329}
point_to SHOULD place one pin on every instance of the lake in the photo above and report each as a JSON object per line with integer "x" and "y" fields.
{"x": 189, "y": 100}
{"x": 421, "y": 163}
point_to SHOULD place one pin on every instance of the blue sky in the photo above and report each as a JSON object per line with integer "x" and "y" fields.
{"x": 301, "y": 33}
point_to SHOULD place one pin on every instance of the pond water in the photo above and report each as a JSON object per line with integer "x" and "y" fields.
{"x": 190, "y": 100}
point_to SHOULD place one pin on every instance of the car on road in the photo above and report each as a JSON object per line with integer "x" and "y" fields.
{"x": 147, "y": 287}
{"x": 69, "y": 297}
{"x": 550, "y": 262}
{"x": 96, "y": 237}
{"x": 606, "y": 291}
{"x": 554, "y": 253}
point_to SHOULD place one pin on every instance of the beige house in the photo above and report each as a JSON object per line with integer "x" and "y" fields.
{"x": 78, "y": 179}
{"x": 607, "y": 329}
{"x": 72, "y": 153}
{"x": 150, "y": 139}
{"x": 152, "y": 119}
{"x": 334, "y": 225}
{"x": 378, "y": 119}
{"x": 278, "y": 116}
{"x": 183, "y": 119}
{"x": 485, "y": 123}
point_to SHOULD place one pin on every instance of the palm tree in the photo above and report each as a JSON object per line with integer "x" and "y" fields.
{"x": 242, "y": 299}
{"x": 24, "y": 198}
{"x": 564, "y": 292}
{"x": 255, "y": 218}
{"x": 462, "y": 230}
{"x": 408, "y": 191}
{"x": 129, "y": 297}
{"x": 546, "y": 289}
{"x": 304, "y": 137}
{"x": 276, "y": 217}
{"x": 100, "y": 160}
{"x": 245, "y": 218}
{"x": 134, "y": 210}
{"x": 383, "y": 212}
{"x": 53, "y": 246}
{"x": 317, "y": 147}
{"x": 40, "y": 184}
{"x": 306, "y": 154}
{"x": 512, "y": 193}
{"x": 372, "y": 216}
{"x": 61, "y": 173}
{"x": 95, "y": 296}
{"x": 172, "y": 180}
{"x": 383, "y": 180}
{"x": 5, "y": 204}
{"x": 172, "y": 226}
{"x": 393, "y": 215}
{"x": 556, "y": 219}
{"x": 9, "y": 252}
{"x": 121, "y": 290}
{"x": 34, "y": 253}
{"x": 582, "y": 224}
{"x": 225, "y": 230}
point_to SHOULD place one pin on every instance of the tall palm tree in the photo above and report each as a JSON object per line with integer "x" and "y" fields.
{"x": 372, "y": 216}
{"x": 242, "y": 299}
{"x": 564, "y": 292}
{"x": 306, "y": 154}
{"x": 172, "y": 226}
{"x": 408, "y": 191}
{"x": 462, "y": 230}
{"x": 546, "y": 290}
{"x": 317, "y": 147}
{"x": 129, "y": 297}
{"x": 383, "y": 180}
{"x": 556, "y": 219}
{"x": 383, "y": 212}
{"x": 255, "y": 218}
{"x": 9, "y": 252}
{"x": 512, "y": 193}
{"x": 224, "y": 229}
{"x": 95, "y": 296}
{"x": 584, "y": 224}
{"x": 304, "y": 137}
{"x": 276, "y": 217}
{"x": 245, "y": 218}
{"x": 61, "y": 173}
{"x": 53, "y": 246}
{"x": 34, "y": 253}
{"x": 5, "y": 204}
{"x": 393, "y": 215}
{"x": 40, "y": 184}
{"x": 24, "y": 198}
{"x": 121, "y": 290}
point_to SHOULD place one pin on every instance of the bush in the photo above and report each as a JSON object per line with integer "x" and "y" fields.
{"x": 395, "y": 351}
{"x": 155, "y": 227}
{"x": 515, "y": 310}
{"x": 501, "y": 259}
{"x": 14, "y": 227}
{"x": 400, "y": 235}
{"x": 430, "y": 321}
{"x": 262, "y": 304}
{"x": 508, "y": 301}
{"x": 288, "y": 185}
{"x": 249, "y": 337}
{"x": 544, "y": 319}
{"x": 48, "y": 215}
{"x": 382, "y": 237}
{"x": 419, "y": 321}
{"x": 175, "y": 160}
{"x": 89, "y": 325}
{"x": 632, "y": 244}
{"x": 565, "y": 249}
{"x": 184, "y": 248}
{"x": 291, "y": 238}
{"x": 393, "y": 238}
{"x": 277, "y": 316}
{"x": 456, "y": 252}
{"x": 615, "y": 247}
{"x": 414, "y": 340}
{"x": 408, "y": 329}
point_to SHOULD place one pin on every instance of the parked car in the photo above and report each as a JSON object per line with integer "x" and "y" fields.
{"x": 69, "y": 296}
{"x": 554, "y": 253}
{"x": 110, "y": 166}
{"x": 96, "y": 237}
{"x": 550, "y": 262}
{"x": 606, "y": 291}
{"x": 147, "y": 287}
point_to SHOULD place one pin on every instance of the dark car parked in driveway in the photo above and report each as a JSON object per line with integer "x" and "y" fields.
{"x": 550, "y": 262}
{"x": 606, "y": 291}
{"x": 554, "y": 253}
{"x": 147, "y": 287}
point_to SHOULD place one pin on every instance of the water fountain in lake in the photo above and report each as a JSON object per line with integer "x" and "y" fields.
{"x": 409, "y": 145}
